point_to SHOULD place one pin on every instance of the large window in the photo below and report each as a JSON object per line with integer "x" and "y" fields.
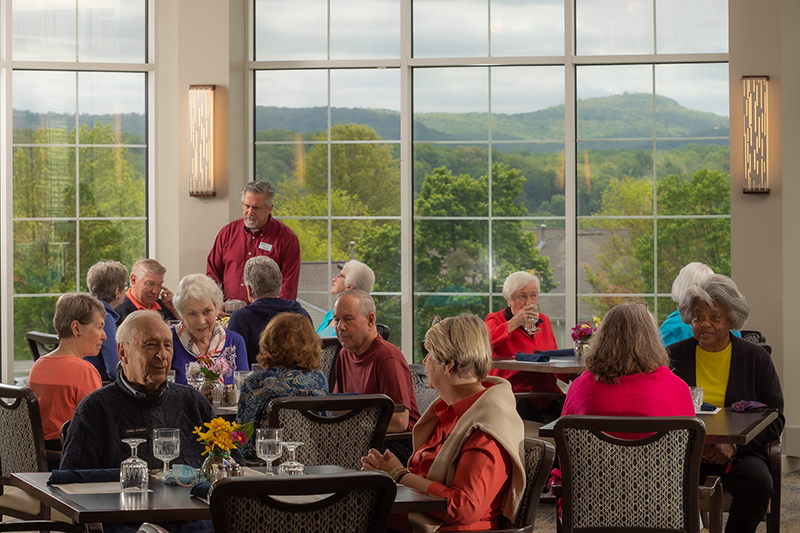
{"x": 79, "y": 148}
{"x": 594, "y": 149}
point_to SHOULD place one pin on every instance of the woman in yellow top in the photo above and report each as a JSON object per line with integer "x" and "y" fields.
{"x": 730, "y": 369}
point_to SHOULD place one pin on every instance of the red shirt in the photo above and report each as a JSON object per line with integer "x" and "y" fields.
{"x": 505, "y": 345}
{"x": 155, "y": 307}
{"x": 235, "y": 244}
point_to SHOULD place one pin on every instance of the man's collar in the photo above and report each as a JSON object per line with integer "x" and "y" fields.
{"x": 136, "y": 390}
{"x": 155, "y": 307}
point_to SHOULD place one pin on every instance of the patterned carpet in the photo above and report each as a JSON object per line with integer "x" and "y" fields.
{"x": 790, "y": 509}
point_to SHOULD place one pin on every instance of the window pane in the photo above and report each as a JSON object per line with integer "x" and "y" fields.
{"x": 299, "y": 173}
{"x": 444, "y": 304}
{"x": 291, "y": 29}
{"x": 451, "y": 256}
{"x": 681, "y": 241}
{"x": 31, "y": 314}
{"x": 365, "y": 29}
{"x": 527, "y": 103}
{"x": 117, "y": 240}
{"x": 114, "y": 101}
{"x": 594, "y": 306}
{"x": 684, "y": 158}
{"x": 450, "y": 28}
{"x": 615, "y": 256}
{"x": 44, "y": 30}
{"x": 451, "y": 180}
{"x": 705, "y": 192}
{"x": 527, "y": 28}
{"x": 615, "y": 179}
{"x": 366, "y": 179}
{"x": 553, "y": 307}
{"x": 313, "y": 236}
{"x": 542, "y": 167}
{"x": 44, "y": 182}
{"x": 44, "y": 107}
{"x": 615, "y": 102}
{"x": 451, "y": 104}
{"x": 387, "y": 312}
{"x": 604, "y": 27}
{"x": 682, "y": 90}
{"x": 347, "y": 238}
{"x": 370, "y": 97}
{"x": 112, "y": 31}
{"x": 109, "y": 183}
{"x": 378, "y": 246}
{"x": 692, "y": 26}
{"x": 514, "y": 248}
{"x": 292, "y": 100}
{"x": 44, "y": 257}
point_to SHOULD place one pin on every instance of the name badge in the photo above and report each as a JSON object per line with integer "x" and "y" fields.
{"x": 265, "y": 246}
{"x": 143, "y": 431}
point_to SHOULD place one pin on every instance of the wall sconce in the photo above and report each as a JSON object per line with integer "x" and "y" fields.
{"x": 756, "y": 177}
{"x": 201, "y": 130}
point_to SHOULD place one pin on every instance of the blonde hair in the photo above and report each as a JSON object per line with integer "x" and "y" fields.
{"x": 464, "y": 341}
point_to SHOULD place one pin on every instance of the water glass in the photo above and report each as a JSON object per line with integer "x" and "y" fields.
{"x": 255, "y": 367}
{"x": 133, "y": 473}
{"x": 193, "y": 379}
{"x": 697, "y": 397}
{"x": 530, "y": 325}
{"x": 291, "y": 467}
{"x": 171, "y": 376}
{"x": 269, "y": 446}
{"x": 166, "y": 445}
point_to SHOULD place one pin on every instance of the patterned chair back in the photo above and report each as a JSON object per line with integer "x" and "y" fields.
{"x": 359, "y": 422}
{"x": 539, "y": 456}
{"x": 41, "y": 343}
{"x": 21, "y": 437}
{"x": 424, "y": 394}
{"x": 330, "y": 351}
{"x": 612, "y": 483}
{"x": 357, "y": 501}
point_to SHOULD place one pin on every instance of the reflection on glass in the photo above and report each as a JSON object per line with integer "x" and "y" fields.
{"x": 450, "y": 28}
{"x": 615, "y": 178}
{"x": 284, "y": 99}
{"x": 444, "y": 304}
{"x": 692, "y": 26}
{"x": 44, "y": 182}
{"x": 112, "y": 31}
{"x": 527, "y": 103}
{"x": 31, "y": 314}
{"x": 451, "y": 255}
{"x": 117, "y": 240}
{"x": 683, "y": 89}
{"x": 365, "y": 177}
{"x": 615, "y": 256}
{"x": 541, "y": 167}
{"x": 44, "y": 257}
{"x": 109, "y": 184}
{"x": 461, "y": 170}
{"x": 289, "y": 167}
{"x": 530, "y": 28}
{"x": 367, "y": 96}
{"x": 681, "y": 241}
{"x": 42, "y": 33}
{"x": 291, "y": 29}
{"x": 451, "y": 103}
{"x": 44, "y": 106}
{"x": 116, "y": 101}
{"x": 365, "y": 29}
{"x": 605, "y": 27}
{"x": 615, "y": 102}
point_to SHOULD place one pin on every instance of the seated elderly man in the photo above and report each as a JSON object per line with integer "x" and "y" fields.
{"x": 263, "y": 281}
{"x": 148, "y": 292}
{"x": 367, "y": 364}
{"x": 354, "y": 275}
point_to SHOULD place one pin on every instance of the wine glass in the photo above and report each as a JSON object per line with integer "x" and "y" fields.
{"x": 166, "y": 446}
{"x": 269, "y": 446}
{"x": 291, "y": 467}
{"x": 133, "y": 474}
{"x": 530, "y": 326}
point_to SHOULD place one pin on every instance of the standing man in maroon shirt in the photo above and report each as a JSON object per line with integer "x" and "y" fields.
{"x": 256, "y": 233}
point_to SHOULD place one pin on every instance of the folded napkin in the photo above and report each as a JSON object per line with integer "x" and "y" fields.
{"x": 97, "y": 475}
{"x": 533, "y": 357}
{"x": 568, "y": 352}
{"x": 183, "y": 475}
{"x": 201, "y": 490}
{"x": 744, "y": 406}
{"x": 708, "y": 407}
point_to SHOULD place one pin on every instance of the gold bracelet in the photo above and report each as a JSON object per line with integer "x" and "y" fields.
{"x": 401, "y": 475}
{"x": 393, "y": 473}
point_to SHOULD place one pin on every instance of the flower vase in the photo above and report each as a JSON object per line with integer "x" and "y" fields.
{"x": 581, "y": 349}
{"x": 209, "y": 386}
{"x": 216, "y": 466}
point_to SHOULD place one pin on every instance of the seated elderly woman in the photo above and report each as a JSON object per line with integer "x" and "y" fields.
{"x": 482, "y": 475}
{"x": 354, "y": 275}
{"x": 730, "y": 369}
{"x": 62, "y": 378}
{"x": 289, "y": 354}
{"x": 106, "y": 281}
{"x": 199, "y": 300}
{"x": 509, "y": 334}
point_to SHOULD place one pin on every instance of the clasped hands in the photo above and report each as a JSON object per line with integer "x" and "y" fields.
{"x": 375, "y": 460}
{"x": 718, "y": 454}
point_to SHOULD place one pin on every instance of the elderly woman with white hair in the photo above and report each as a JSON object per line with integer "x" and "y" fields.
{"x": 354, "y": 275}
{"x": 508, "y": 334}
{"x": 199, "y": 300}
{"x": 468, "y": 445}
{"x": 730, "y": 369}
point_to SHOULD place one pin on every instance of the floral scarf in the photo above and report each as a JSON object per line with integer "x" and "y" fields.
{"x": 215, "y": 347}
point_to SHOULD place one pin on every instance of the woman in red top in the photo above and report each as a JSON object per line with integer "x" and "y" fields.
{"x": 507, "y": 331}
{"x": 468, "y": 444}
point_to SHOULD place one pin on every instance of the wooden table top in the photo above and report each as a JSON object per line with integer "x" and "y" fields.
{"x": 556, "y": 365}
{"x": 172, "y": 503}
{"x": 725, "y": 427}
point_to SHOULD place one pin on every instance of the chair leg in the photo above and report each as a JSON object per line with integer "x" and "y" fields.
{"x": 715, "y": 511}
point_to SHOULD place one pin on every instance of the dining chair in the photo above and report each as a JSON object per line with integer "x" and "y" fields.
{"x": 41, "y": 343}
{"x": 351, "y": 501}
{"x": 39, "y": 525}
{"x": 383, "y": 331}
{"x": 422, "y": 392}
{"x": 22, "y": 449}
{"x": 357, "y": 423}
{"x": 330, "y": 351}
{"x": 648, "y": 482}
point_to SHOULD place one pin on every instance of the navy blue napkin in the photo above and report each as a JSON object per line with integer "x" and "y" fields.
{"x": 201, "y": 490}
{"x": 567, "y": 352}
{"x": 707, "y": 407}
{"x": 96, "y": 475}
{"x": 533, "y": 357}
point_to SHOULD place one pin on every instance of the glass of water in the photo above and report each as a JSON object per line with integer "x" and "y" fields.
{"x": 133, "y": 474}
{"x": 166, "y": 446}
{"x": 269, "y": 446}
{"x": 292, "y": 467}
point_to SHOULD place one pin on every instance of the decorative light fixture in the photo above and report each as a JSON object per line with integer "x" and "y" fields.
{"x": 201, "y": 130}
{"x": 756, "y": 176}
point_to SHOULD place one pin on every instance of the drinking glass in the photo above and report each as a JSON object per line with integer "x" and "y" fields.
{"x": 238, "y": 378}
{"x": 194, "y": 380}
{"x": 697, "y": 397}
{"x": 291, "y": 467}
{"x": 171, "y": 376}
{"x": 133, "y": 474}
{"x": 269, "y": 445}
{"x": 530, "y": 326}
{"x": 255, "y": 367}
{"x": 166, "y": 446}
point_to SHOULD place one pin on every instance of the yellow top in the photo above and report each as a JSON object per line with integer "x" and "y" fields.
{"x": 713, "y": 369}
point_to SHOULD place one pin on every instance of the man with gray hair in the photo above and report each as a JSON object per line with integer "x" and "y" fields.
{"x": 148, "y": 292}
{"x": 257, "y": 233}
{"x": 354, "y": 275}
{"x": 263, "y": 280}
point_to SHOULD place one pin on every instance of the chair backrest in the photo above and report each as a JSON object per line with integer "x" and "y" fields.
{"x": 352, "y": 501}
{"x": 539, "y": 456}
{"x": 754, "y": 336}
{"x": 41, "y": 343}
{"x": 21, "y": 437}
{"x": 358, "y": 423}
{"x": 383, "y": 331}
{"x": 644, "y": 483}
{"x": 330, "y": 351}
{"x": 422, "y": 392}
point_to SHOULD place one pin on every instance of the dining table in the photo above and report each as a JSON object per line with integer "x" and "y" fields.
{"x": 556, "y": 365}
{"x": 170, "y": 503}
